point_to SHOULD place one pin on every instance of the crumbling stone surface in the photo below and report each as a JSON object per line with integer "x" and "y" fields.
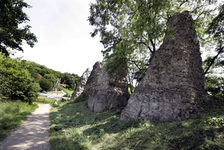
{"x": 174, "y": 80}
{"x": 105, "y": 92}
{"x": 80, "y": 87}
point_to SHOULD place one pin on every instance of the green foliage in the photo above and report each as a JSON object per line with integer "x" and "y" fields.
{"x": 134, "y": 30}
{"x": 11, "y": 34}
{"x": 46, "y": 84}
{"x": 217, "y": 24}
{"x": 71, "y": 80}
{"x": 39, "y": 71}
{"x": 51, "y": 78}
{"x": 84, "y": 129}
{"x": 12, "y": 113}
{"x": 215, "y": 86}
{"x": 16, "y": 80}
{"x": 67, "y": 91}
{"x": 216, "y": 30}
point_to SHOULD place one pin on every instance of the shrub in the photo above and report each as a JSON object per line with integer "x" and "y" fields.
{"x": 215, "y": 86}
{"x": 46, "y": 84}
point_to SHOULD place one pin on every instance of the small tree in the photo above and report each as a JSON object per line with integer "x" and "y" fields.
{"x": 46, "y": 84}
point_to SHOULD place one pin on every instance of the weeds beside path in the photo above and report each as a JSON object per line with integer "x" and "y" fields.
{"x": 12, "y": 113}
{"x": 32, "y": 134}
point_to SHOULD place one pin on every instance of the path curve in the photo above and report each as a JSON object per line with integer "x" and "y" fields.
{"x": 32, "y": 134}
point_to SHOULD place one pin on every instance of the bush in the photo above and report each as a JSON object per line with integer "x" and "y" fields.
{"x": 46, "y": 84}
{"x": 16, "y": 82}
{"x": 215, "y": 86}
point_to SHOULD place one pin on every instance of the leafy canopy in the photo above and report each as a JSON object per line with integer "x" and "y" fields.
{"x": 12, "y": 29}
{"x": 133, "y": 30}
{"x": 216, "y": 30}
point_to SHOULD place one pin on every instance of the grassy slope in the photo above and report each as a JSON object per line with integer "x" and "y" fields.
{"x": 82, "y": 129}
{"x": 12, "y": 113}
{"x": 44, "y": 100}
{"x": 67, "y": 91}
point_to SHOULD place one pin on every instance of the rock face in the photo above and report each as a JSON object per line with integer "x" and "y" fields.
{"x": 80, "y": 88}
{"x": 104, "y": 92}
{"x": 174, "y": 79}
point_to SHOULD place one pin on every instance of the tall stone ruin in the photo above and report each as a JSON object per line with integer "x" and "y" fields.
{"x": 105, "y": 92}
{"x": 174, "y": 80}
{"x": 81, "y": 85}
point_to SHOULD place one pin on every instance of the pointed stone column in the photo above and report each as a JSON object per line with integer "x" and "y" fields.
{"x": 80, "y": 87}
{"x": 174, "y": 80}
{"x": 104, "y": 92}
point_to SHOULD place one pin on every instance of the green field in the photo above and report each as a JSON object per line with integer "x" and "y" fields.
{"x": 80, "y": 128}
{"x": 12, "y": 113}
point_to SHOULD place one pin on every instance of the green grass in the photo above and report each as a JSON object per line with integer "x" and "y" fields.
{"x": 54, "y": 92}
{"x": 82, "y": 129}
{"x": 44, "y": 100}
{"x": 12, "y": 113}
{"x": 67, "y": 91}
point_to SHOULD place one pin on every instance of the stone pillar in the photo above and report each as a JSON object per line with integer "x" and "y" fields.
{"x": 105, "y": 92}
{"x": 174, "y": 80}
{"x": 80, "y": 87}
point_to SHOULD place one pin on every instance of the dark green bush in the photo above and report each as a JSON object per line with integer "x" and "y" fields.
{"x": 46, "y": 84}
{"x": 215, "y": 86}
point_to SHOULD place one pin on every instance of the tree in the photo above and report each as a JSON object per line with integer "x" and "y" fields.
{"x": 51, "y": 78}
{"x": 133, "y": 30}
{"x": 71, "y": 80}
{"x": 11, "y": 34}
{"x": 46, "y": 84}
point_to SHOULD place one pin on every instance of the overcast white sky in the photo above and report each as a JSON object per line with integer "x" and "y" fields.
{"x": 63, "y": 32}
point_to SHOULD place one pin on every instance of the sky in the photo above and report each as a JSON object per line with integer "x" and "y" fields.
{"x": 63, "y": 33}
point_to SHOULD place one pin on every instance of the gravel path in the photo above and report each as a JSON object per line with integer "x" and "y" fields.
{"x": 32, "y": 134}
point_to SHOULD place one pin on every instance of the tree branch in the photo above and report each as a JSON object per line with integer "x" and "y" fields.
{"x": 220, "y": 50}
{"x": 141, "y": 42}
{"x": 153, "y": 46}
{"x": 135, "y": 64}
